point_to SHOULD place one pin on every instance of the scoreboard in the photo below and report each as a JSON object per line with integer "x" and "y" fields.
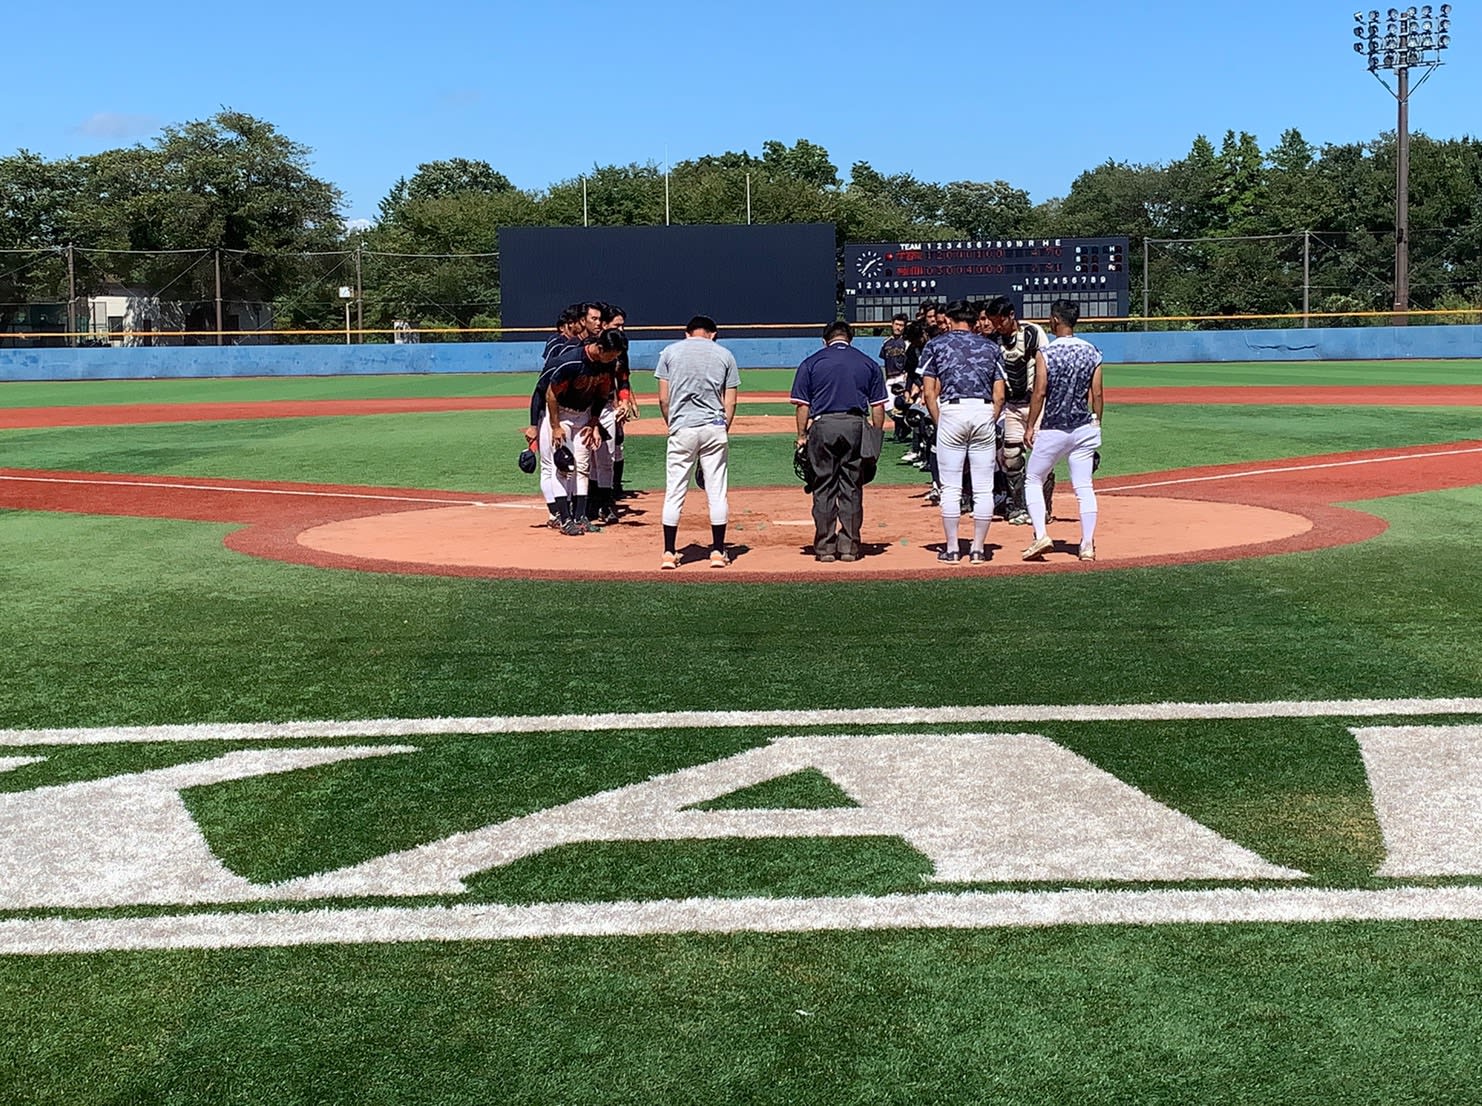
{"x": 882, "y": 279}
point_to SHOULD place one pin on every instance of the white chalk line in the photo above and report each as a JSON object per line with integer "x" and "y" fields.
{"x": 1292, "y": 468}
{"x": 982, "y": 910}
{"x": 239, "y": 491}
{"x": 738, "y": 719}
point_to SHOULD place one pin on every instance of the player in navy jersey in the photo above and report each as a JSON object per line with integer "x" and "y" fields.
{"x": 608, "y": 460}
{"x": 578, "y": 390}
{"x": 1064, "y": 422}
{"x": 569, "y": 334}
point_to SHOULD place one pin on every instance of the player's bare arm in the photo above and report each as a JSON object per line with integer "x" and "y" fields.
{"x": 728, "y": 400}
{"x": 1095, "y": 396}
{"x": 664, "y": 401}
{"x": 1036, "y": 400}
{"x": 558, "y": 433}
{"x": 931, "y": 392}
{"x": 1000, "y": 394}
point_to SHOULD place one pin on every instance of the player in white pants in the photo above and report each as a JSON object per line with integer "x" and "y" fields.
{"x": 698, "y": 381}
{"x": 963, "y": 383}
{"x": 1064, "y": 422}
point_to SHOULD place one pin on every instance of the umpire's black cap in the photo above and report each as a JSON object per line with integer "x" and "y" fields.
{"x": 527, "y": 461}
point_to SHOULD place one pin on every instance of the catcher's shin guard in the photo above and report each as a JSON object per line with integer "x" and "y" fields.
{"x": 1014, "y": 484}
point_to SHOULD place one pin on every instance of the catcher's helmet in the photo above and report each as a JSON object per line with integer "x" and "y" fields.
{"x": 527, "y": 461}
{"x": 564, "y": 459}
{"x": 802, "y": 469}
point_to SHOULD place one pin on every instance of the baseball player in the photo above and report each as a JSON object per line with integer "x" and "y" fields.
{"x": 698, "y": 381}
{"x": 1023, "y": 347}
{"x": 963, "y": 378}
{"x": 1064, "y": 421}
{"x": 607, "y": 462}
{"x": 570, "y": 332}
{"x": 578, "y": 389}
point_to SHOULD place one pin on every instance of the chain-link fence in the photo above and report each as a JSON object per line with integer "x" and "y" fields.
{"x": 72, "y": 295}
{"x": 1317, "y": 278}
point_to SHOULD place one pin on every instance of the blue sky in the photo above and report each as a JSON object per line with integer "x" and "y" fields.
{"x": 1033, "y": 96}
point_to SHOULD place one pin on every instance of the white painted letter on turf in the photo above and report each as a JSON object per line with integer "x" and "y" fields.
{"x": 981, "y": 807}
{"x": 128, "y": 840}
{"x": 1427, "y": 786}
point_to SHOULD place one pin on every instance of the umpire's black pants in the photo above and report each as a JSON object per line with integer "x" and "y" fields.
{"x": 838, "y": 495}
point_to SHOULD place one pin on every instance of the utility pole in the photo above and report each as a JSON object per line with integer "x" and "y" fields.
{"x": 1413, "y": 39}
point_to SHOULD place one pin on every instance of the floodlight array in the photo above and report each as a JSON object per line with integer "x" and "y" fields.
{"x": 1410, "y": 37}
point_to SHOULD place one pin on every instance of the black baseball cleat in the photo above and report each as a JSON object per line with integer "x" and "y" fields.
{"x": 949, "y": 556}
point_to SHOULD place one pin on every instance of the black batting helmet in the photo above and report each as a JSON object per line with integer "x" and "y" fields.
{"x": 564, "y": 459}
{"x": 527, "y": 461}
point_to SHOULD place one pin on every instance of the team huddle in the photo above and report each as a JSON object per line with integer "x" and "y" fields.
{"x": 992, "y": 405}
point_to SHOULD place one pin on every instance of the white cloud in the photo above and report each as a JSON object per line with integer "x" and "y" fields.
{"x": 359, "y": 224}
{"x": 114, "y": 124}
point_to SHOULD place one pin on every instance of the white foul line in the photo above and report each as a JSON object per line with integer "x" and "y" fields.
{"x": 1292, "y": 468}
{"x": 497, "y": 922}
{"x": 739, "y": 719}
{"x": 236, "y": 491}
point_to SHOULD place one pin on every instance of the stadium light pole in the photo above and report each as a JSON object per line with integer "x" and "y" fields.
{"x": 1412, "y": 39}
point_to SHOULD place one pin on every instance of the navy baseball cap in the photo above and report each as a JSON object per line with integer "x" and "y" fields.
{"x": 527, "y": 461}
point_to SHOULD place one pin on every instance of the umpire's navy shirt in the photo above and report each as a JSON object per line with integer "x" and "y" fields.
{"x": 838, "y": 379}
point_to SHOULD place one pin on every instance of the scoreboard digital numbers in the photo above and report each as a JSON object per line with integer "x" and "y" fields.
{"x": 882, "y": 279}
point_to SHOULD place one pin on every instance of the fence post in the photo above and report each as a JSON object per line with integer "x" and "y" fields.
{"x": 71, "y": 299}
{"x": 1145, "y": 298}
{"x": 359, "y": 298}
{"x": 218, "y": 295}
{"x": 1306, "y": 278}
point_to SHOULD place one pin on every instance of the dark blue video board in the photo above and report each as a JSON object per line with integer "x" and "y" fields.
{"x": 882, "y": 279}
{"x": 737, "y": 274}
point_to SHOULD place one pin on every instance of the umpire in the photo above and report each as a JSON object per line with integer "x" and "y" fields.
{"x": 835, "y": 391}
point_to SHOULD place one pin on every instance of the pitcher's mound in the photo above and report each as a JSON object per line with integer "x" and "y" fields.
{"x": 771, "y": 533}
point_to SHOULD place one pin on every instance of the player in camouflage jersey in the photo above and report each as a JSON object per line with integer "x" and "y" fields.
{"x": 1023, "y": 346}
{"x": 1065, "y": 422}
{"x": 964, "y": 386}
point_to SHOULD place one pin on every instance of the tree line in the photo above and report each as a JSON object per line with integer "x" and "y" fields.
{"x": 243, "y": 196}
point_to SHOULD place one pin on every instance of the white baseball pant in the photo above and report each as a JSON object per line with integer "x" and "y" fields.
{"x": 707, "y": 446}
{"x": 1050, "y": 447}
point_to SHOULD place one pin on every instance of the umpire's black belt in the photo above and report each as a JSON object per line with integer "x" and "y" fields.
{"x": 852, "y": 413}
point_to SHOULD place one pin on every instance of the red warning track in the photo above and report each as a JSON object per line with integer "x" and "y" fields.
{"x": 16, "y": 418}
{"x": 1190, "y": 515}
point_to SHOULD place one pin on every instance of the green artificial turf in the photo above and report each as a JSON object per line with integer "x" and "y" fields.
{"x": 118, "y": 620}
{"x": 1382, "y": 1013}
{"x": 309, "y": 388}
{"x": 476, "y": 451}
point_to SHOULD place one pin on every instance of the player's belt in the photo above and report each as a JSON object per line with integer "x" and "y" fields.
{"x": 963, "y": 399}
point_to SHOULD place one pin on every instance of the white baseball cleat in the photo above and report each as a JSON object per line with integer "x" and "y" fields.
{"x": 1037, "y": 549}
{"x": 1088, "y": 551}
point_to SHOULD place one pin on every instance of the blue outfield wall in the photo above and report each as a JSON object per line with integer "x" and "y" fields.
{"x": 1317, "y": 344}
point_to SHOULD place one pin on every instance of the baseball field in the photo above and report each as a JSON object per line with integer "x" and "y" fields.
{"x": 466, "y": 811}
